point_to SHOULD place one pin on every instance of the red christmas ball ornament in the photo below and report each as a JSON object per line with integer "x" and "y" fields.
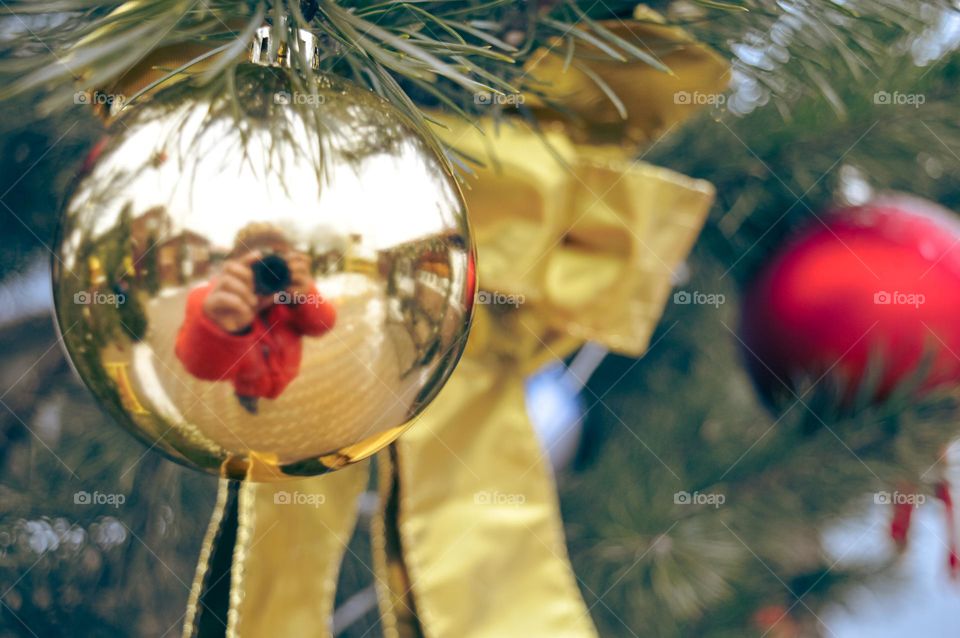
{"x": 877, "y": 284}
{"x": 775, "y": 621}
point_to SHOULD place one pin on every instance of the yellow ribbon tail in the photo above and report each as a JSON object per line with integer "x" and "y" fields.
{"x": 282, "y": 544}
{"x": 478, "y": 520}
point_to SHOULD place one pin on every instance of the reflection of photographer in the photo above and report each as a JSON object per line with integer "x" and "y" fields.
{"x": 234, "y": 329}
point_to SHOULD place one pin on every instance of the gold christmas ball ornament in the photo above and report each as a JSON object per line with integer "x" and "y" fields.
{"x": 265, "y": 293}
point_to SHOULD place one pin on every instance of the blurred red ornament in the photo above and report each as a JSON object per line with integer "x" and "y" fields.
{"x": 877, "y": 283}
{"x": 93, "y": 155}
{"x": 775, "y": 621}
{"x": 901, "y": 521}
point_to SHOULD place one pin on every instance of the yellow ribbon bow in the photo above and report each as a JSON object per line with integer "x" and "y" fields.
{"x": 576, "y": 242}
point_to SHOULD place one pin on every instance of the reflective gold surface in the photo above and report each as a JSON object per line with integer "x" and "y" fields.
{"x": 189, "y": 211}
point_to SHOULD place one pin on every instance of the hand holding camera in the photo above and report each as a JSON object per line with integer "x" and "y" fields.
{"x": 301, "y": 282}
{"x": 232, "y": 304}
{"x": 249, "y": 284}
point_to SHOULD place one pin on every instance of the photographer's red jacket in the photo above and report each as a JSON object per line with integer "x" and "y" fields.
{"x": 260, "y": 362}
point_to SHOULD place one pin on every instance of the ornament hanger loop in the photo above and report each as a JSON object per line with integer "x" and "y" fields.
{"x": 270, "y": 51}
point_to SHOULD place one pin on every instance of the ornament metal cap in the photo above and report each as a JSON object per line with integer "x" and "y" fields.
{"x": 270, "y": 51}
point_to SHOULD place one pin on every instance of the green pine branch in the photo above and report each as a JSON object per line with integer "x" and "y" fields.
{"x": 421, "y": 55}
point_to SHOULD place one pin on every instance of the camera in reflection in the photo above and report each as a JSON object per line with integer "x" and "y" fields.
{"x": 271, "y": 274}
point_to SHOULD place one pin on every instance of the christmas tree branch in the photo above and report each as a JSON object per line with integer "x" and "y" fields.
{"x": 420, "y": 55}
